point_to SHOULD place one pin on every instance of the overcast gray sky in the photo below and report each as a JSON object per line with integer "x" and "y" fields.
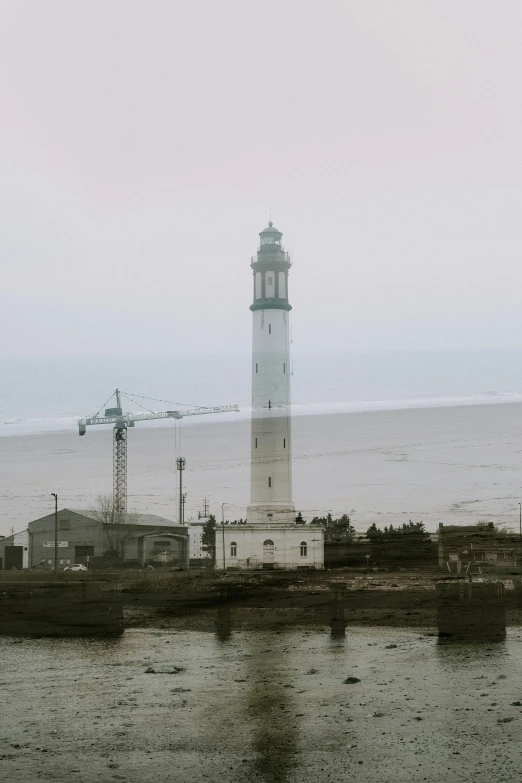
{"x": 142, "y": 143}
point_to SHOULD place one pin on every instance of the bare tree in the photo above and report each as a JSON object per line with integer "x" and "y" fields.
{"x": 117, "y": 525}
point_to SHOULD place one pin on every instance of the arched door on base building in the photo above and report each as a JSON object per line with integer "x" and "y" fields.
{"x": 268, "y": 553}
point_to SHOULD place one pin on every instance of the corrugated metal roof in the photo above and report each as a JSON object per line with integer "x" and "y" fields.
{"x": 141, "y": 519}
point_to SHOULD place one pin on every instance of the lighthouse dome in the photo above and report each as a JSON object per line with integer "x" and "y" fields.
{"x": 270, "y": 235}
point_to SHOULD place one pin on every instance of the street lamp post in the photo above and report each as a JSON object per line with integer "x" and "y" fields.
{"x": 54, "y": 494}
{"x": 520, "y": 518}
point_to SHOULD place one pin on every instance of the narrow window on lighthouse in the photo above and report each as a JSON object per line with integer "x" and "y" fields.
{"x": 269, "y": 328}
{"x": 257, "y": 366}
{"x": 284, "y": 366}
{"x": 269, "y": 403}
{"x": 256, "y": 443}
{"x": 284, "y": 443}
{"x": 270, "y": 481}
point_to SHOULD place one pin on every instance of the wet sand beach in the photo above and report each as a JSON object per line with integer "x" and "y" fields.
{"x": 435, "y": 464}
{"x": 270, "y": 705}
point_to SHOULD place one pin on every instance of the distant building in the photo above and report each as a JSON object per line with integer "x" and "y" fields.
{"x": 461, "y": 547}
{"x": 81, "y": 537}
{"x": 14, "y": 551}
{"x": 197, "y": 553}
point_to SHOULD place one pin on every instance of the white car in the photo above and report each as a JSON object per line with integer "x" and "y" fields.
{"x": 76, "y": 567}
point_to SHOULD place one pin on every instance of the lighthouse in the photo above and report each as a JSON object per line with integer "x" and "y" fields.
{"x": 271, "y": 442}
{"x": 272, "y": 538}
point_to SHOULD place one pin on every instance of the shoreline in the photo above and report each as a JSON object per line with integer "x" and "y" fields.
{"x": 336, "y": 409}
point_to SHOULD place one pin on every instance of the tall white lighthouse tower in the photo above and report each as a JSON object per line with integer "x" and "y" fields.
{"x": 271, "y": 461}
{"x": 272, "y": 537}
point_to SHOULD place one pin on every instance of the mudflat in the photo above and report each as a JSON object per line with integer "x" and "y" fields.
{"x": 459, "y": 464}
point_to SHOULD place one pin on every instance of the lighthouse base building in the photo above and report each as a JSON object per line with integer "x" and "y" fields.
{"x": 272, "y": 538}
{"x": 254, "y": 547}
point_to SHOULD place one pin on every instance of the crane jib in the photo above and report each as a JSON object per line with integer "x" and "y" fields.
{"x": 129, "y": 420}
{"x": 121, "y": 422}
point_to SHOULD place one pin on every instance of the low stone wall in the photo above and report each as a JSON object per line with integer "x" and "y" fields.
{"x": 60, "y": 609}
{"x": 471, "y": 610}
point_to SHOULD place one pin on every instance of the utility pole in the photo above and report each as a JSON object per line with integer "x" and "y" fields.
{"x": 184, "y": 496}
{"x": 180, "y": 465}
{"x": 204, "y": 514}
{"x": 520, "y": 518}
{"x": 54, "y": 494}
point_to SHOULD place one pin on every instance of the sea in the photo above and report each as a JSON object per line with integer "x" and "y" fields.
{"x": 39, "y": 395}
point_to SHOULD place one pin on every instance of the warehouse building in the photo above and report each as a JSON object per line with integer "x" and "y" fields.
{"x": 82, "y": 537}
{"x": 14, "y": 551}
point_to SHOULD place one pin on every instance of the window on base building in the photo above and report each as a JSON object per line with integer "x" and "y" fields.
{"x": 233, "y": 549}
{"x": 304, "y": 549}
{"x": 270, "y": 481}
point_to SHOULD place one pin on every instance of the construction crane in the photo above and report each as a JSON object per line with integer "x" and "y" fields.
{"x": 122, "y": 421}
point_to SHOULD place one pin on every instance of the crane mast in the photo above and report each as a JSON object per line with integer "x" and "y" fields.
{"x": 122, "y": 421}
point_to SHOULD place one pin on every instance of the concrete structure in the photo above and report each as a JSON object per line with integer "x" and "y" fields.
{"x": 471, "y": 611}
{"x": 82, "y": 537}
{"x": 271, "y": 539}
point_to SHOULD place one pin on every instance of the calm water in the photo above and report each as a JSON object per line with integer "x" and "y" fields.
{"x": 267, "y": 705}
{"x": 42, "y": 395}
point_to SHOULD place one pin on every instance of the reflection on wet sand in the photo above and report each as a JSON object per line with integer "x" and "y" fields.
{"x": 224, "y": 622}
{"x": 273, "y": 730}
{"x": 338, "y": 621}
